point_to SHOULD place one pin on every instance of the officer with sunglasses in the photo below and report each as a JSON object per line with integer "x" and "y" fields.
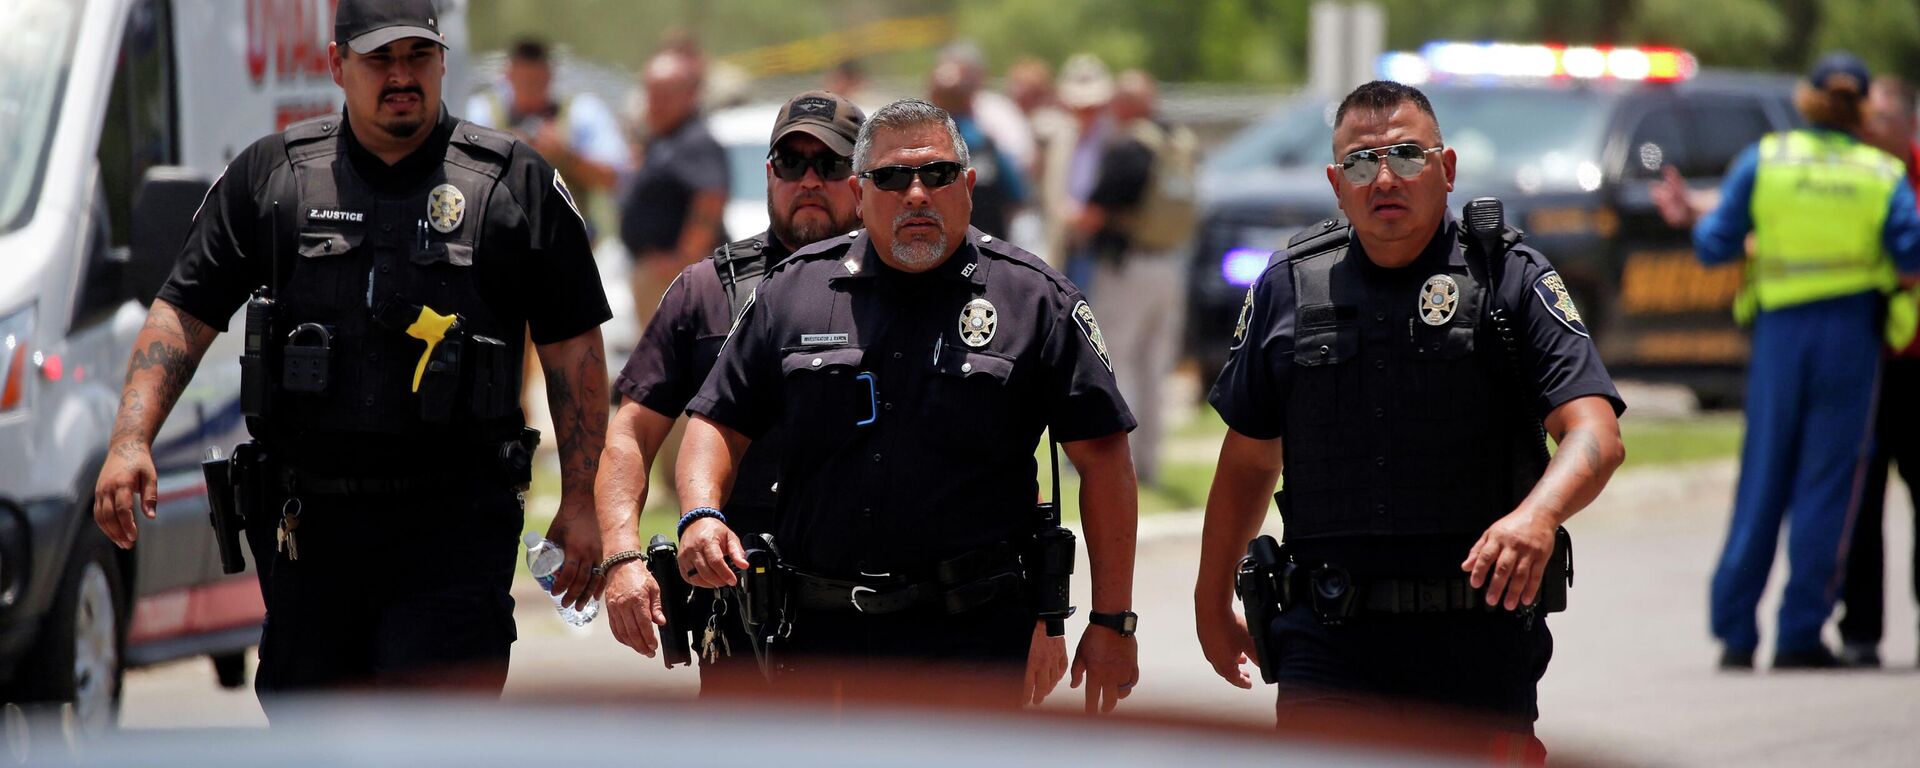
{"x": 911, "y": 367}
{"x": 808, "y": 200}
{"x": 1419, "y": 509}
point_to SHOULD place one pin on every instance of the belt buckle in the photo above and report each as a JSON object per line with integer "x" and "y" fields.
{"x": 853, "y": 595}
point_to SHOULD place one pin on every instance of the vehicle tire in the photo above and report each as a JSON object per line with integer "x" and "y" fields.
{"x": 82, "y": 643}
{"x": 230, "y": 669}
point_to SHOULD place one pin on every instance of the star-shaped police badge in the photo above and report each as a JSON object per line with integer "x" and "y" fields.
{"x": 978, "y": 321}
{"x": 445, "y": 208}
{"x": 1438, "y": 300}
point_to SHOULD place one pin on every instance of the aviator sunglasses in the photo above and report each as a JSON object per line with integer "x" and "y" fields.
{"x": 829, "y": 166}
{"x": 1405, "y": 160}
{"x": 897, "y": 178}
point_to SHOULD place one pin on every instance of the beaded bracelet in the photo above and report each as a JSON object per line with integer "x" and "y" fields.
{"x": 696, "y": 514}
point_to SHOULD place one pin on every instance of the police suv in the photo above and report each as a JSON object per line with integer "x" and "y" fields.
{"x": 115, "y": 117}
{"x": 1570, "y": 139}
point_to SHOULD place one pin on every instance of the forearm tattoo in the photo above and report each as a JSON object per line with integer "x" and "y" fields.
{"x": 1576, "y": 463}
{"x": 579, "y": 417}
{"x": 157, "y": 374}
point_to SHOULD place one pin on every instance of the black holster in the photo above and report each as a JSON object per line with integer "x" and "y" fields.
{"x": 1261, "y": 584}
{"x": 761, "y": 598}
{"x": 676, "y": 600}
{"x": 1047, "y": 566}
{"x": 236, "y": 490}
{"x": 1558, "y": 577}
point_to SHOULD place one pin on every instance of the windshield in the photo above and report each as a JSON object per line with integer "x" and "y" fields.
{"x": 35, "y": 54}
{"x": 1533, "y": 138}
{"x": 747, "y": 171}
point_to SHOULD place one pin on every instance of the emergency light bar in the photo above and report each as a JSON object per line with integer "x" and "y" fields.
{"x": 1449, "y": 60}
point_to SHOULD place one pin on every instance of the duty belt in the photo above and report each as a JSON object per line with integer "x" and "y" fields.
{"x": 957, "y": 585}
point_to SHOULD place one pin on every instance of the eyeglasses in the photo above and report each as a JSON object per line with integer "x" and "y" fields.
{"x": 897, "y": 178}
{"x": 1405, "y": 160}
{"x": 829, "y": 166}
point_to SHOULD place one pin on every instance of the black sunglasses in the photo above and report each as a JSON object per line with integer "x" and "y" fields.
{"x": 897, "y": 178}
{"x": 1405, "y": 160}
{"x": 829, "y": 166}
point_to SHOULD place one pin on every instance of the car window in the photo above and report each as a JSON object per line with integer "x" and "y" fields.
{"x": 1658, "y": 141}
{"x": 747, "y": 170}
{"x": 1719, "y": 131}
{"x": 35, "y": 54}
{"x": 138, "y": 130}
{"x": 1299, "y": 136}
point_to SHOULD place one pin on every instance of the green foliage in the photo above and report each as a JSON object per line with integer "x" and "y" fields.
{"x": 1251, "y": 41}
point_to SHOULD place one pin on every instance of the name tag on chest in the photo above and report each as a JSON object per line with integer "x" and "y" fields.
{"x": 823, "y": 339}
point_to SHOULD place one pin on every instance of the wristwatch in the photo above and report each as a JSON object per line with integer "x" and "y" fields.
{"x": 1123, "y": 622}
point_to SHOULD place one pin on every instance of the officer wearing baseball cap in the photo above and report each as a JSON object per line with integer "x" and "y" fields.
{"x": 392, "y": 258}
{"x": 808, "y": 200}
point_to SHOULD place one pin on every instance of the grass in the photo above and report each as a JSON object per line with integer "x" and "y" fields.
{"x": 1660, "y": 442}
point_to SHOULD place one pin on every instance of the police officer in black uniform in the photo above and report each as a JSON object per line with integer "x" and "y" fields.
{"x": 912, "y": 366}
{"x": 808, "y": 200}
{"x": 396, "y": 256}
{"x": 1401, "y": 386}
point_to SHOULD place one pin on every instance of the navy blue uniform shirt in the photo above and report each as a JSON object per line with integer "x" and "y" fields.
{"x": 911, "y": 404}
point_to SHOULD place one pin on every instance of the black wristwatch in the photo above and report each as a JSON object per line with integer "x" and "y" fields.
{"x": 1123, "y": 622}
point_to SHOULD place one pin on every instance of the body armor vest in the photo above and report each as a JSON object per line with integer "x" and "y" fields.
{"x": 1397, "y": 425}
{"x": 365, "y": 265}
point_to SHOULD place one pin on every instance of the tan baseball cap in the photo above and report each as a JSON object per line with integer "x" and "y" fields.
{"x": 823, "y": 115}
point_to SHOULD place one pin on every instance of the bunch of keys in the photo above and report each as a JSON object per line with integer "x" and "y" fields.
{"x": 713, "y": 643}
{"x": 289, "y": 522}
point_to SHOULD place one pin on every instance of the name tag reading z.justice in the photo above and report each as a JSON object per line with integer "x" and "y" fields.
{"x": 822, "y": 339}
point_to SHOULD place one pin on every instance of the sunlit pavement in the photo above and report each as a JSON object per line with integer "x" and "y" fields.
{"x": 1632, "y": 675}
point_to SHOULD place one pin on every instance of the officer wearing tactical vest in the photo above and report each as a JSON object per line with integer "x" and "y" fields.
{"x": 808, "y": 200}
{"x": 395, "y": 256}
{"x": 911, "y": 367}
{"x": 1401, "y": 383}
{"x": 1832, "y": 221}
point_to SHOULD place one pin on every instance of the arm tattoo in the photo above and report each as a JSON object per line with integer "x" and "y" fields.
{"x": 579, "y": 418}
{"x": 1577, "y": 460}
{"x": 175, "y": 341}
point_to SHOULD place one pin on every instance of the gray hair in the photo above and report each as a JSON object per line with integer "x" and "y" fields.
{"x": 900, "y": 115}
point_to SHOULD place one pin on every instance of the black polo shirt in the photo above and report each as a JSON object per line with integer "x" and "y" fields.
{"x": 535, "y": 265}
{"x": 676, "y": 354}
{"x": 674, "y": 168}
{"x": 910, "y": 428}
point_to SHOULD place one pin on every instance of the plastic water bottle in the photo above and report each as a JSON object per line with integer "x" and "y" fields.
{"x": 544, "y": 559}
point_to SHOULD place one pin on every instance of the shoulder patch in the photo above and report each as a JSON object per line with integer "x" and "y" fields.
{"x": 1246, "y": 318}
{"x": 1551, "y": 289}
{"x": 560, "y": 186}
{"x": 1089, "y": 327}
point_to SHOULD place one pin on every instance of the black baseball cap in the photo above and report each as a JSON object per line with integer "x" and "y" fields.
{"x": 1840, "y": 71}
{"x": 366, "y": 25}
{"x": 823, "y": 115}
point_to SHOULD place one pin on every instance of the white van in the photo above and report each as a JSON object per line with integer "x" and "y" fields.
{"x": 115, "y": 117}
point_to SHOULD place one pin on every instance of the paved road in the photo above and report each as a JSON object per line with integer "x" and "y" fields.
{"x": 1632, "y": 675}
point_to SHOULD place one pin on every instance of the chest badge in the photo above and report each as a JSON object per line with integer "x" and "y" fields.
{"x": 978, "y": 321}
{"x": 446, "y": 207}
{"x": 1438, "y": 300}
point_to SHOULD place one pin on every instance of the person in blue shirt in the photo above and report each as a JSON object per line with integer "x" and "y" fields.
{"x": 1832, "y": 220}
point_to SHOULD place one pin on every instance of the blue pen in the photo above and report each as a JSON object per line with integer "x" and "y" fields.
{"x": 939, "y": 342}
